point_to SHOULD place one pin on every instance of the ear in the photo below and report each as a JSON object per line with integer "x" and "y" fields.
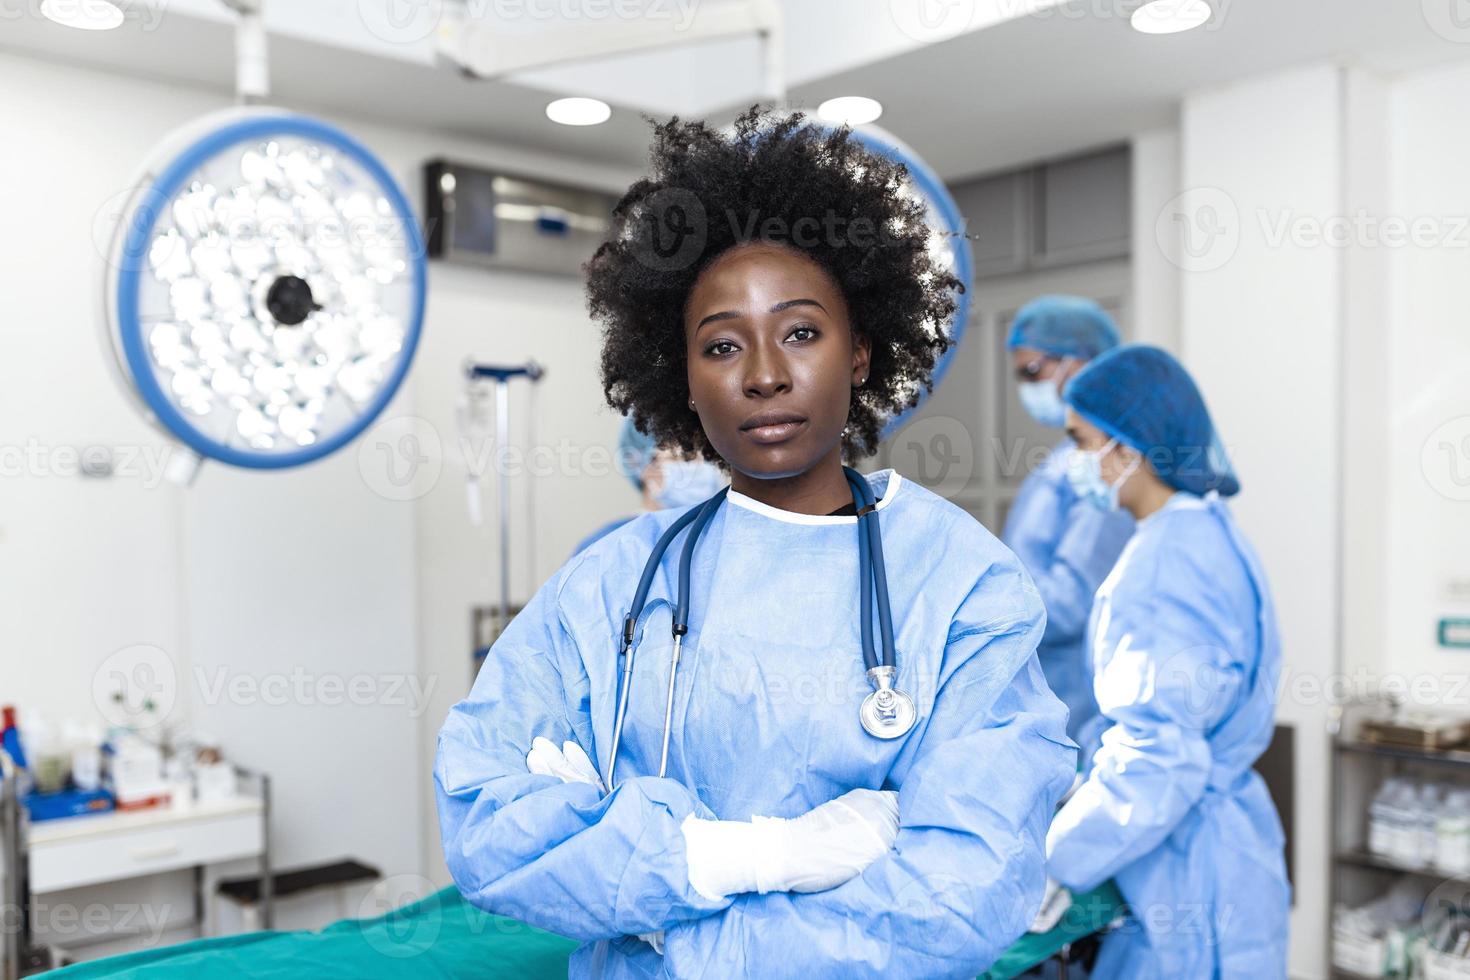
{"x": 862, "y": 359}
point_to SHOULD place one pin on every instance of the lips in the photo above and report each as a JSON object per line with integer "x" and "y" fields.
{"x": 769, "y": 428}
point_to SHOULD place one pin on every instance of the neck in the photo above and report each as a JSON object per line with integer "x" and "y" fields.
{"x": 1148, "y": 498}
{"x": 820, "y": 490}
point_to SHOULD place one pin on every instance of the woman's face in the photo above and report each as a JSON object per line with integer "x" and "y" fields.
{"x": 772, "y": 359}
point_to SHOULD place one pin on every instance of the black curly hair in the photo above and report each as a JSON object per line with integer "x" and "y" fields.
{"x": 709, "y": 191}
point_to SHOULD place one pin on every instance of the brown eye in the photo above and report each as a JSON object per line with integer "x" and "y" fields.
{"x": 720, "y": 348}
{"x": 804, "y": 332}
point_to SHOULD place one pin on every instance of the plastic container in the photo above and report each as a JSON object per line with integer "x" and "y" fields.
{"x": 1452, "y": 834}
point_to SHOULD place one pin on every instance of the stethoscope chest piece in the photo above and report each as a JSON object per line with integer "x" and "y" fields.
{"x": 887, "y": 712}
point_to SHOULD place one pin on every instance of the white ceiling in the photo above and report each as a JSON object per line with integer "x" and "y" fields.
{"x": 1041, "y": 84}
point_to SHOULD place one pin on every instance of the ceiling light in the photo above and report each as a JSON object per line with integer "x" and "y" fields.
{"x": 1170, "y": 16}
{"x": 578, "y": 111}
{"x": 854, "y": 110}
{"x": 88, "y": 15}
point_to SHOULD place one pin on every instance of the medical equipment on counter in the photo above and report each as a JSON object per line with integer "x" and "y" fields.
{"x": 468, "y": 415}
{"x": 886, "y": 713}
{"x": 1428, "y": 730}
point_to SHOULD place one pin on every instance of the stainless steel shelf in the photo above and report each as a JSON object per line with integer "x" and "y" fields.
{"x": 1364, "y": 859}
{"x": 1444, "y": 757}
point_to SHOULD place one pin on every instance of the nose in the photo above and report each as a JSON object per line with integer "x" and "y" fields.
{"x": 766, "y": 373}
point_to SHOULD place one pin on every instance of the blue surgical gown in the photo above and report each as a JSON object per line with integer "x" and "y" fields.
{"x": 766, "y": 722}
{"x": 1187, "y": 657}
{"x": 1069, "y": 546}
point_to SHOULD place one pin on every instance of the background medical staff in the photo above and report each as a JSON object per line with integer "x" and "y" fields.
{"x": 662, "y": 478}
{"x": 1186, "y": 658}
{"x": 1066, "y": 545}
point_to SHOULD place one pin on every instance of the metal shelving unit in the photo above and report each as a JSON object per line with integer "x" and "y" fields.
{"x": 1358, "y": 768}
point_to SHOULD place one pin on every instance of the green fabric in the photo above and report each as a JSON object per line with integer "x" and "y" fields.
{"x": 443, "y": 936}
{"x": 1090, "y": 912}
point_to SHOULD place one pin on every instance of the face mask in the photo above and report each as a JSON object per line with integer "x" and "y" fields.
{"x": 1084, "y": 472}
{"x": 1042, "y": 403}
{"x": 687, "y": 481}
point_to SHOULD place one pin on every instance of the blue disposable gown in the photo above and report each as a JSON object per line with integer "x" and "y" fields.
{"x": 599, "y": 534}
{"x": 1069, "y": 546}
{"x": 766, "y": 722}
{"x": 1187, "y": 657}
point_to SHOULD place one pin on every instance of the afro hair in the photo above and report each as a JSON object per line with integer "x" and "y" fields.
{"x": 774, "y": 179}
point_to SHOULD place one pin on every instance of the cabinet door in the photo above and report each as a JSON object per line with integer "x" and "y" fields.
{"x": 997, "y": 218}
{"x": 1082, "y": 209}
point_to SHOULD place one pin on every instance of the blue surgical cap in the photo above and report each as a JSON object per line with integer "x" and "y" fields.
{"x": 635, "y": 452}
{"x": 1064, "y": 326}
{"x": 1144, "y": 398}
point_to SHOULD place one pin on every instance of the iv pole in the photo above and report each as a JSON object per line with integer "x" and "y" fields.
{"x": 502, "y": 374}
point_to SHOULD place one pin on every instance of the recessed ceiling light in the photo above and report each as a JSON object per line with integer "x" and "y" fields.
{"x": 578, "y": 111}
{"x": 851, "y": 109}
{"x": 1170, "y": 16}
{"x": 88, "y": 15}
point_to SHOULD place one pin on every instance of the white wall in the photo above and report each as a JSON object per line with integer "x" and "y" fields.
{"x": 315, "y": 571}
{"x": 1155, "y": 265}
{"x": 1427, "y": 452}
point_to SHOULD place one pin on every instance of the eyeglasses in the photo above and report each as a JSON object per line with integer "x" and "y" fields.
{"x": 1032, "y": 371}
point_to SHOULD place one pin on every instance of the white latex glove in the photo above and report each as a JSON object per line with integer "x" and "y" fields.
{"x": 1054, "y": 905}
{"x": 818, "y": 850}
{"x": 568, "y": 763}
{"x": 654, "y": 939}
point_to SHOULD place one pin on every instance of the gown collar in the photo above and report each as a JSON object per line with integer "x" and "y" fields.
{"x": 791, "y": 517}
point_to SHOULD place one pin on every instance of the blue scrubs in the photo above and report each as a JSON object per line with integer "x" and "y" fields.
{"x": 766, "y": 722}
{"x": 1187, "y": 656}
{"x": 1068, "y": 546}
{"x": 599, "y": 534}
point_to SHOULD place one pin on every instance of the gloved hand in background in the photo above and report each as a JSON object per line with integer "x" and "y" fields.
{"x": 820, "y": 849}
{"x": 1054, "y": 905}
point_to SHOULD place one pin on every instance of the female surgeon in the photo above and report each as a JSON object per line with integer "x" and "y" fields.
{"x": 767, "y": 300}
{"x": 1066, "y": 544}
{"x": 1186, "y": 658}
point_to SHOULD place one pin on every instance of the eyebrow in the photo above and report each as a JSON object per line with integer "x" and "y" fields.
{"x": 783, "y": 305}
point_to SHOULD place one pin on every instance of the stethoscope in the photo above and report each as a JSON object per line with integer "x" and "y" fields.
{"x": 885, "y": 713}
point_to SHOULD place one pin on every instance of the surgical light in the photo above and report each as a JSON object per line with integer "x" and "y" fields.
{"x": 948, "y": 247}
{"x": 578, "y": 111}
{"x": 854, "y": 110}
{"x": 265, "y": 288}
{"x": 1170, "y": 16}
{"x": 87, "y": 15}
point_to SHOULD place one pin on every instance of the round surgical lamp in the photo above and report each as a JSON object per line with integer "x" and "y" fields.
{"x": 948, "y": 246}
{"x": 265, "y": 288}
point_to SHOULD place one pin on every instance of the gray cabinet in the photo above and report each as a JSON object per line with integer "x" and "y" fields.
{"x": 1059, "y": 213}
